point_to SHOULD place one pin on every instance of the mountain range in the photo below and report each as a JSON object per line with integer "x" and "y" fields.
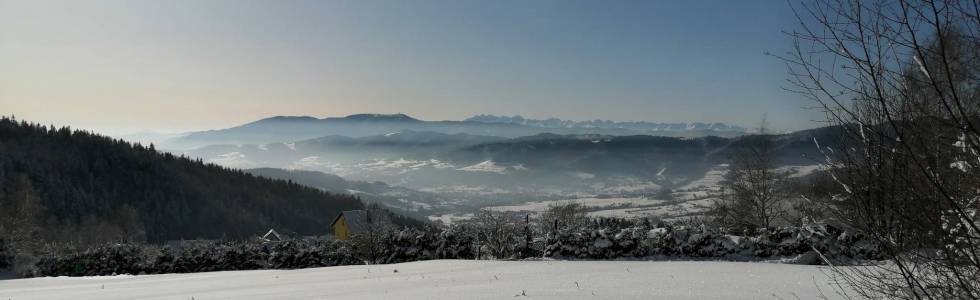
{"x": 535, "y": 164}
{"x": 651, "y": 127}
{"x": 295, "y": 128}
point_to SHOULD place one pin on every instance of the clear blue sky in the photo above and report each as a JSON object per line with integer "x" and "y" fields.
{"x": 181, "y": 65}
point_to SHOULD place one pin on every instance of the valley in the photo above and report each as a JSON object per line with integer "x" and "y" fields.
{"x": 461, "y": 167}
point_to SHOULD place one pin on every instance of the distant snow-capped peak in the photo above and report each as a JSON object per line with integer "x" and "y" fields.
{"x": 604, "y": 124}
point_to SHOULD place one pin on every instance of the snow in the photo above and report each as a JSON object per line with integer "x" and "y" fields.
{"x": 668, "y": 211}
{"x": 801, "y": 171}
{"x": 410, "y": 205}
{"x": 465, "y": 189}
{"x": 960, "y": 165}
{"x": 456, "y": 279}
{"x": 711, "y": 179}
{"x": 625, "y": 185}
{"x": 542, "y": 206}
{"x": 396, "y": 166}
{"x": 440, "y": 164}
{"x": 684, "y": 205}
{"x": 232, "y": 159}
{"x": 582, "y": 175}
{"x": 399, "y": 164}
{"x": 486, "y": 166}
{"x": 450, "y": 218}
{"x": 308, "y": 162}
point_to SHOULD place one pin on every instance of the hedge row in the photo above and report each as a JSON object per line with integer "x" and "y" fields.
{"x": 203, "y": 256}
{"x": 455, "y": 243}
{"x": 637, "y": 242}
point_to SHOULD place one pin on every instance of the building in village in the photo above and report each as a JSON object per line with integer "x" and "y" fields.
{"x": 349, "y": 222}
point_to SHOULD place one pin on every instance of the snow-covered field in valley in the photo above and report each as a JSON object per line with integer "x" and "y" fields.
{"x": 456, "y": 279}
{"x": 542, "y": 206}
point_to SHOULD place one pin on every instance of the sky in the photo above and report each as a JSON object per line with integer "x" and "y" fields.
{"x": 176, "y": 65}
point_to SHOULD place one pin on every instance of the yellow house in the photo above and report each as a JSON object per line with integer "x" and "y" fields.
{"x": 348, "y": 222}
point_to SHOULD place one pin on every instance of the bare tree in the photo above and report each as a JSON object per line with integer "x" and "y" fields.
{"x": 370, "y": 241}
{"x": 901, "y": 79}
{"x": 561, "y": 216}
{"x": 754, "y": 193}
{"x": 127, "y": 220}
{"x": 21, "y": 215}
{"x": 498, "y": 232}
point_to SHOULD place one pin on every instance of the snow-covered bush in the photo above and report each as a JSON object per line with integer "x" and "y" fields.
{"x": 294, "y": 254}
{"x": 685, "y": 241}
{"x": 210, "y": 256}
{"x": 102, "y": 260}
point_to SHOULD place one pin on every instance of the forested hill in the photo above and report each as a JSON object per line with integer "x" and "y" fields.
{"x": 95, "y": 185}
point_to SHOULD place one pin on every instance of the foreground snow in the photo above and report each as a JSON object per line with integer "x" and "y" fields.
{"x": 456, "y": 279}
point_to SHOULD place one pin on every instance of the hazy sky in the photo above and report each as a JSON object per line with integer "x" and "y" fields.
{"x": 181, "y": 65}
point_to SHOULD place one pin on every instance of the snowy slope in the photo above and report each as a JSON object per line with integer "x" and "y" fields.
{"x": 455, "y": 279}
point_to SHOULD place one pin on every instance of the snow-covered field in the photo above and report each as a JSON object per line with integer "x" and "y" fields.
{"x": 456, "y": 279}
{"x": 689, "y": 200}
{"x": 450, "y": 218}
{"x": 671, "y": 211}
{"x": 542, "y": 206}
{"x": 686, "y": 205}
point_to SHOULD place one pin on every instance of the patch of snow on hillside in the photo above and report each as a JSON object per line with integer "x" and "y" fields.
{"x": 450, "y": 218}
{"x": 669, "y": 211}
{"x": 306, "y": 163}
{"x": 486, "y": 166}
{"x": 409, "y": 205}
{"x": 711, "y": 179}
{"x": 801, "y": 171}
{"x": 386, "y": 165}
{"x": 440, "y": 164}
{"x": 626, "y": 185}
{"x": 232, "y": 160}
{"x": 465, "y": 189}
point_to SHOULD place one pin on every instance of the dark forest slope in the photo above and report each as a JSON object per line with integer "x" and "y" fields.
{"x": 81, "y": 178}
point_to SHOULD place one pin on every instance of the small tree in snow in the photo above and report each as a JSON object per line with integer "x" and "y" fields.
{"x": 498, "y": 232}
{"x": 561, "y": 216}
{"x": 754, "y": 193}
{"x": 370, "y": 241}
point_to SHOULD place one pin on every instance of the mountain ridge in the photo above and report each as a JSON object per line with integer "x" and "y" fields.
{"x": 634, "y": 125}
{"x": 296, "y": 128}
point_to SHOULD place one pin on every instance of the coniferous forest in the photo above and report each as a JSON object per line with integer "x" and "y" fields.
{"x": 74, "y": 186}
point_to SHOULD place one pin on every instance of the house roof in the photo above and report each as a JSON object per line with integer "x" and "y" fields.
{"x": 356, "y": 219}
{"x": 272, "y": 234}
